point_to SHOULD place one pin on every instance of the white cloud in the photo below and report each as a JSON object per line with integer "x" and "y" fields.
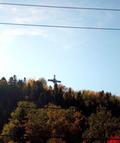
{"x": 29, "y": 15}
{"x": 14, "y": 32}
{"x": 22, "y": 20}
{"x": 24, "y": 14}
{"x": 9, "y": 35}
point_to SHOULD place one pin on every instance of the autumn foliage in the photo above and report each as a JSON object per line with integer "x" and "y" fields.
{"x": 33, "y": 112}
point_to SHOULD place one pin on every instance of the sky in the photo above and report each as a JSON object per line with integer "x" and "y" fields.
{"x": 81, "y": 59}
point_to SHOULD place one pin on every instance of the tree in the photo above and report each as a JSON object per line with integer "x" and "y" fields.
{"x": 102, "y": 125}
{"x": 15, "y": 129}
{"x": 56, "y": 140}
{"x": 3, "y": 82}
{"x": 66, "y": 124}
{"x": 36, "y": 128}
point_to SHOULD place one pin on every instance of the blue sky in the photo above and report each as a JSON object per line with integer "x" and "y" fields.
{"x": 81, "y": 59}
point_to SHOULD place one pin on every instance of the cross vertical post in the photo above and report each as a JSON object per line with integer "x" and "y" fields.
{"x": 55, "y": 81}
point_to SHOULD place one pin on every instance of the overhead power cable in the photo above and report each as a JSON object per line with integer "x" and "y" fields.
{"x": 62, "y": 26}
{"x": 62, "y": 7}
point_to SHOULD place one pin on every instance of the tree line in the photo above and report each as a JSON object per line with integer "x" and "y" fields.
{"x": 33, "y": 112}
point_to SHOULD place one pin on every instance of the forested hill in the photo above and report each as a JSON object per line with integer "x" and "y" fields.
{"x": 31, "y": 111}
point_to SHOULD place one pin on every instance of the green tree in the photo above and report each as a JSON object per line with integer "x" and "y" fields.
{"x": 15, "y": 129}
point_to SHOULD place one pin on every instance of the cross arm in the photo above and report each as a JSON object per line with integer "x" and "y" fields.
{"x": 58, "y": 81}
{"x": 50, "y": 80}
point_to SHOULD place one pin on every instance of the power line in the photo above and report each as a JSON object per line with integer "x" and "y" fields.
{"x": 62, "y": 26}
{"x": 62, "y": 7}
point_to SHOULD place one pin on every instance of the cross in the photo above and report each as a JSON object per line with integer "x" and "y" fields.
{"x": 54, "y": 81}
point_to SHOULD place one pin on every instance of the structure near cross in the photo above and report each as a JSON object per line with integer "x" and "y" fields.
{"x": 55, "y": 81}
